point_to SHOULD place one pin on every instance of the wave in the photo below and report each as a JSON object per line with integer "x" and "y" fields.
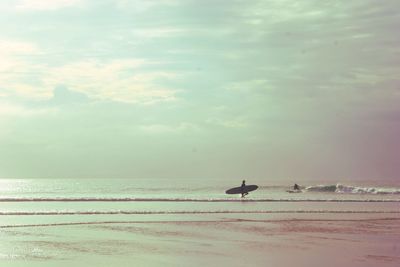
{"x": 129, "y": 212}
{"x": 113, "y": 199}
{"x": 339, "y": 188}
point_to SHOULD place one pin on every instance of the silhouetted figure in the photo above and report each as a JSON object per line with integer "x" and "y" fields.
{"x": 296, "y": 187}
{"x": 243, "y": 186}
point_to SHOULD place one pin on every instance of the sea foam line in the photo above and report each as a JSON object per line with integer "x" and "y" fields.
{"x": 111, "y": 199}
{"x": 195, "y": 222}
{"x": 127, "y": 212}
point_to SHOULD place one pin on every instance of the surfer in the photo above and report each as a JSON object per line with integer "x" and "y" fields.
{"x": 242, "y": 188}
{"x": 296, "y": 187}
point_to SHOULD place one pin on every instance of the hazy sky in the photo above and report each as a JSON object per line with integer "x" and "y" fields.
{"x": 224, "y": 89}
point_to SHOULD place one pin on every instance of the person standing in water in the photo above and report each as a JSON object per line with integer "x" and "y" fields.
{"x": 242, "y": 188}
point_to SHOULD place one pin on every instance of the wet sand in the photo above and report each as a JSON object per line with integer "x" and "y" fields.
{"x": 198, "y": 240}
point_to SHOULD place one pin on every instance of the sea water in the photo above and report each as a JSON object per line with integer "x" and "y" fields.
{"x": 53, "y": 197}
{"x": 34, "y": 213}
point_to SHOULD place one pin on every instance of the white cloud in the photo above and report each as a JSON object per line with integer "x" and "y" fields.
{"x": 249, "y": 85}
{"x": 141, "y": 6}
{"x": 168, "y": 129}
{"x": 117, "y": 80}
{"x": 113, "y": 80}
{"x": 228, "y": 123}
{"x": 11, "y": 47}
{"x": 158, "y": 32}
{"x": 45, "y": 4}
{"x": 277, "y": 11}
{"x": 14, "y": 68}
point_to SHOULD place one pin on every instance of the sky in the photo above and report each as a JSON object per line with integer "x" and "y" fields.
{"x": 211, "y": 89}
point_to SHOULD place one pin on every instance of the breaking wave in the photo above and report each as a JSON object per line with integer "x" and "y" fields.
{"x": 339, "y": 188}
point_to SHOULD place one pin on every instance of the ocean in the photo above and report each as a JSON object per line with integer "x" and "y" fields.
{"x": 159, "y": 222}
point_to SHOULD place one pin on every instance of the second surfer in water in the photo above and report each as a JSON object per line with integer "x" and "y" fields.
{"x": 296, "y": 187}
{"x": 242, "y": 187}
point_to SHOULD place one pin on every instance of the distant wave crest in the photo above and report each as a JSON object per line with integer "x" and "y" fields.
{"x": 339, "y": 188}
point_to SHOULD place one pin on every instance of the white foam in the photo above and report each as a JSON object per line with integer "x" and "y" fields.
{"x": 133, "y": 212}
{"x": 339, "y": 188}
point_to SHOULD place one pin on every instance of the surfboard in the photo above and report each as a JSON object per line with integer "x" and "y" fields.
{"x": 294, "y": 191}
{"x": 239, "y": 190}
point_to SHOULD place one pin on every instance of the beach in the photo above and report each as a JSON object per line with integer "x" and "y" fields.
{"x": 170, "y": 240}
{"x": 164, "y": 133}
{"x": 95, "y": 227}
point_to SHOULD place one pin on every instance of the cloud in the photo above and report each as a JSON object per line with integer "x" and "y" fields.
{"x": 142, "y": 6}
{"x": 62, "y": 96}
{"x": 25, "y": 5}
{"x": 105, "y": 80}
{"x": 15, "y": 70}
{"x": 12, "y": 47}
{"x": 11, "y": 52}
{"x": 239, "y": 122}
{"x": 249, "y": 85}
{"x": 117, "y": 80}
{"x": 168, "y": 129}
{"x": 161, "y": 32}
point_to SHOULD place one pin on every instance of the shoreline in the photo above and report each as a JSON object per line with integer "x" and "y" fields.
{"x": 171, "y": 240}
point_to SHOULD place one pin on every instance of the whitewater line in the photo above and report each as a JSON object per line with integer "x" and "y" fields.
{"x": 123, "y": 212}
{"x": 193, "y": 221}
{"x": 89, "y": 199}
